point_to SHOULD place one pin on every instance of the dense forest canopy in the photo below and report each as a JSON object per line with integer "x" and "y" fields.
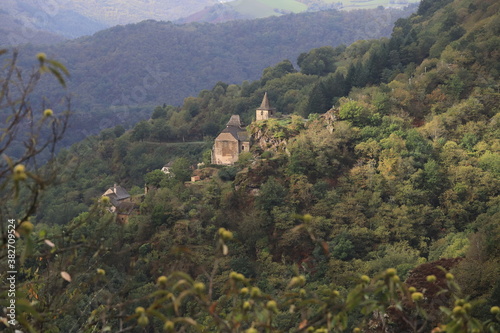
{"x": 381, "y": 166}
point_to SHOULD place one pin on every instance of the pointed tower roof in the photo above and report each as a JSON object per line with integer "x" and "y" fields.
{"x": 265, "y": 103}
{"x": 234, "y": 121}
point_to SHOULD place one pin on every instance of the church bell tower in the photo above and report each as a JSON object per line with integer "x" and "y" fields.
{"x": 264, "y": 112}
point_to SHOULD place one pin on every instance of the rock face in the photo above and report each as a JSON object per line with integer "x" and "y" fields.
{"x": 265, "y": 138}
{"x": 266, "y": 132}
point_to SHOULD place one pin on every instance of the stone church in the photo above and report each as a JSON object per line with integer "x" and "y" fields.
{"x": 234, "y": 139}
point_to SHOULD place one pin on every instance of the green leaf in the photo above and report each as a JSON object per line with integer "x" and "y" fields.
{"x": 28, "y": 250}
{"x": 187, "y": 320}
{"x": 180, "y": 283}
{"x": 60, "y": 66}
{"x": 445, "y": 310}
{"x": 58, "y": 76}
{"x": 184, "y": 276}
{"x": 157, "y": 314}
{"x": 24, "y": 323}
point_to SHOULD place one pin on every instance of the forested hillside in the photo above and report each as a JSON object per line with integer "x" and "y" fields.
{"x": 370, "y": 204}
{"x": 152, "y": 63}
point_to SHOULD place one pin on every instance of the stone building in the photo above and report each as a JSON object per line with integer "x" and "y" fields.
{"x": 232, "y": 141}
{"x": 121, "y": 203}
{"x": 264, "y": 111}
{"x": 167, "y": 168}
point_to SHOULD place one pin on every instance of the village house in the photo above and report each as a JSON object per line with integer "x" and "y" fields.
{"x": 166, "y": 168}
{"x": 121, "y": 203}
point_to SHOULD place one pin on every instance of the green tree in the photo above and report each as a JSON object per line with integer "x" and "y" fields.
{"x": 271, "y": 194}
{"x": 358, "y": 113}
{"x": 159, "y": 112}
{"x": 118, "y": 130}
{"x": 160, "y": 131}
{"x": 342, "y": 247}
{"x": 181, "y": 169}
{"x": 320, "y": 61}
{"x": 141, "y": 131}
{"x": 155, "y": 177}
{"x": 278, "y": 71}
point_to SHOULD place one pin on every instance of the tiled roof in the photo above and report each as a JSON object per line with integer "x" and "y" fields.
{"x": 238, "y": 133}
{"x": 117, "y": 193}
{"x": 121, "y": 193}
{"x": 234, "y": 121}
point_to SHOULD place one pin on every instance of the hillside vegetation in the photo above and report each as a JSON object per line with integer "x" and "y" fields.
{"x": 384, "y": 168}
{"x": 152, "y": 63}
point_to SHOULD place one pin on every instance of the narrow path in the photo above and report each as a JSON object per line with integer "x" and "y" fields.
{"x": 175, "y": 143}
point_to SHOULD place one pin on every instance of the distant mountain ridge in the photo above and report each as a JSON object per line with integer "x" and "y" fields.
{"x": 252, "y": 9}
{"x": 26, "y": 21}
{"x": 37, "y": 22}
{"x": 113, "y": 12}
